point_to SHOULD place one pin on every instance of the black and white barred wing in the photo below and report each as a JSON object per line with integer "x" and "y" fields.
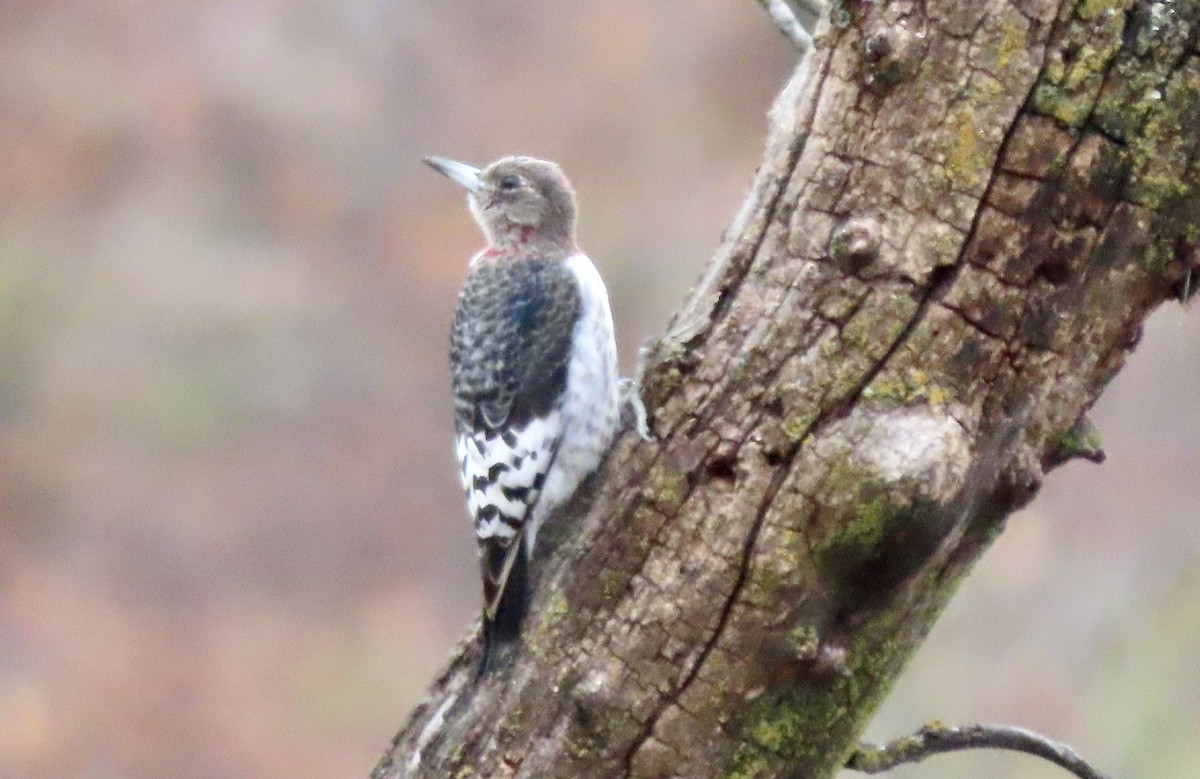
{"x": 510, "y": 348}
{"x": 502, "y": 477}
{"x": 503, "y": 474}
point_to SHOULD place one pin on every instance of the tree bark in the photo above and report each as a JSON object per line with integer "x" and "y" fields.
{"x": 964, "y": 213}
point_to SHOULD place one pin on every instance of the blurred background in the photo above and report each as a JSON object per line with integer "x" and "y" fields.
{"x": 231, "y": 539}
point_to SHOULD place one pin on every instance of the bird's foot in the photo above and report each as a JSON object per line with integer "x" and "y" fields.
{"x": 632, "y": 406}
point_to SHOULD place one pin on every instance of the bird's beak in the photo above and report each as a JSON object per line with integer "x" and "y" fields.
{"x": 459, "y": 172}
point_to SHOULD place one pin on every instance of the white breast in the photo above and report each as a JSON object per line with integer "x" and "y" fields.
{"x": 589, "y": 405}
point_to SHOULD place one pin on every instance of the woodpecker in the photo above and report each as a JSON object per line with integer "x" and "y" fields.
{"x": 533, "y": 369}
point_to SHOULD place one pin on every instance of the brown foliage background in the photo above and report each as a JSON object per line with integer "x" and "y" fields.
{"x": 231, "y": 541}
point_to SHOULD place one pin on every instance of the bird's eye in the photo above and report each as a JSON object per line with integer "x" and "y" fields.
{"x": 510, "y": 182}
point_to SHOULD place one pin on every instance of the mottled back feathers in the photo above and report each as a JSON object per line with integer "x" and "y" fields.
{"x": 511, "y": 342}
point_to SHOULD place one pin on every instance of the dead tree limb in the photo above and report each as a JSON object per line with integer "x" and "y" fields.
{"x": 938, "y": 740}
{"x": 964, "y": 213}
{"x": 784, "y": 19}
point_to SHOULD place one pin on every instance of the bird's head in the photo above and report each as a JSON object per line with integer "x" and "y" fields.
{"x": 517, "y": 201}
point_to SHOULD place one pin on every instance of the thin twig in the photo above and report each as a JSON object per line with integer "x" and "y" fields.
{"x": 813, "y": 8}
{"x": 938, "y": 739}
{"x": 785, "y": 20}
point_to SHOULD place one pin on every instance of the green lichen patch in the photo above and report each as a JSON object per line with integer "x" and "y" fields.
{"x": 668, "y": 361}
{"x": 880, "y": 546}
{"x": 780, "y": 729}
{"x": 781, "y": 572}
{"x": 870, "y": 334}
{"x": 611, "y": 584}
{"x": 1153, "y": 111}
{"x": 790, "y": 731}
{"x": 867, "y": 535}
{"x": 665, "y": 488}
{"x": 1149, "y": 106}
{"x": 797, "y": 424}
{"x": 1011, "y": 41}
{"x": 967, "y": 156}
{"x": 1074, "y": 72}
{"x": 805, "y": 641}
{"x": 864, "y": 339}
{"x": 1080, "y": 441}
{"x": 1054, "y": 102}
{"x": 860, "y": 526}
{"x": 1161, "y": 151}
{"x": 906, "y": 387}
{"x": 545, "y": 637}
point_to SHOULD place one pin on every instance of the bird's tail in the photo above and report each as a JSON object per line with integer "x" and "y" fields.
{"x": 504, "y": 568}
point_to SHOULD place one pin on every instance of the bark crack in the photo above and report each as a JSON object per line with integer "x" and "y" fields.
{"x": 934, "y": 287}
{"x": 781, "y": 471}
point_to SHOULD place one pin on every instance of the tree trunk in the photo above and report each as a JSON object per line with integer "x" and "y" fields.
{"x": 964, "y": 214}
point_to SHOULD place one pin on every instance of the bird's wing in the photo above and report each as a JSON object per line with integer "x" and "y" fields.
{"x": 503, "y": 473}
{"x": 510, "y": 347}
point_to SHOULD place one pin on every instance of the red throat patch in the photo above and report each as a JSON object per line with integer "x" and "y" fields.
{"x": 493, "y": 253}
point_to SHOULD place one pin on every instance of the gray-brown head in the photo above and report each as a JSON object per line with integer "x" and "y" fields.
{"x": 518, "y": 201}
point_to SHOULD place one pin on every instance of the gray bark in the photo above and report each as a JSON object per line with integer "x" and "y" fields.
{"x": 964, "y": 213}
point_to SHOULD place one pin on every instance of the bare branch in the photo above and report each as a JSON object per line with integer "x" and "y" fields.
{"x": 785, "y": 19}
{"x": 937, "y": 739}
{"x": 813, "y": 8}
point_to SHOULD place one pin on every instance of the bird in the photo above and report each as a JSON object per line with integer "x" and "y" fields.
{"x": 533, "y": 373}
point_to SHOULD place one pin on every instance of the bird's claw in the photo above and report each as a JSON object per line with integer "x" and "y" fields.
{"x": 631, "y": 399}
